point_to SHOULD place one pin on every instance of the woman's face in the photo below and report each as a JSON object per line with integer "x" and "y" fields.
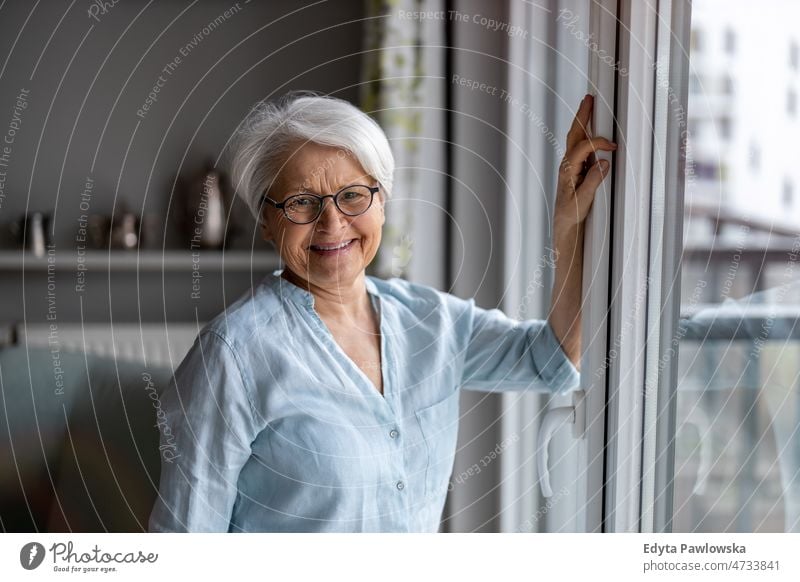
{"x": 319, "y": 169}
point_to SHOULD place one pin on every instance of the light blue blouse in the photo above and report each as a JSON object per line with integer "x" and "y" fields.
{"x": 271, "y": 427}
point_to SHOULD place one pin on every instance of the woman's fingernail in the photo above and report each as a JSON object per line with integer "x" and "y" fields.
{"x": 604, "y": 165}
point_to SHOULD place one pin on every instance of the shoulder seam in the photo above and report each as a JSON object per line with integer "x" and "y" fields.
{"x": 240, "y": 367}
{"x": 264, "y": 320}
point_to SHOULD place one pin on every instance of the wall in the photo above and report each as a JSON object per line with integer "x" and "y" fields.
{"x": 85, "y": 81}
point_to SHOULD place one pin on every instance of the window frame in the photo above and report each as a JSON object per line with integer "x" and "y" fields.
{"x": 630, "y": 262}
{"x": 642, "y": 252}
{"x": 671, "y": 115}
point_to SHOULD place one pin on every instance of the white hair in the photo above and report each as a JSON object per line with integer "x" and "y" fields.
{"x": 273, "y": 131}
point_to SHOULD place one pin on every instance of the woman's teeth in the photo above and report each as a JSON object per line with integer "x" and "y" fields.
{"x": 331, "y": 247}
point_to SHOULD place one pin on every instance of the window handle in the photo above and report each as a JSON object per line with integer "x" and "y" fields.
{"x": 552, "y": 421}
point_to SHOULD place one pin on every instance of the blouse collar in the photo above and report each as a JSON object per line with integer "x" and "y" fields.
{"x": 286, "y": 289}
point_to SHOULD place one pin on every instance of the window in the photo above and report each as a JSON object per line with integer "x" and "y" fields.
{"x": 691, "y": 371}
{"x": 702, "y": 409}
{"x": 736, "y": 466}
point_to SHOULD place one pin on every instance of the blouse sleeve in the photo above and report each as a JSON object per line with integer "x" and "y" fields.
{"x": 207, "y": 425}
{"x": 505, "y": 354}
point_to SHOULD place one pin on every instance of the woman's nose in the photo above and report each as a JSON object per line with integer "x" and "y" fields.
{"x": 330, "y": 218}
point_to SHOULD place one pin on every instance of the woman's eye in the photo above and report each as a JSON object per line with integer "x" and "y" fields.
{"x": 301, "y": 203}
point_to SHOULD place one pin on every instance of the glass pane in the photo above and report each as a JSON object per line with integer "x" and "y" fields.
{"x": 737, "y": 465}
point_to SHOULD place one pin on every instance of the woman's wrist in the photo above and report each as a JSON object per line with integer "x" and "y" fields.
{"x": 568, "y": 244}
{"x": 567, "y": 233}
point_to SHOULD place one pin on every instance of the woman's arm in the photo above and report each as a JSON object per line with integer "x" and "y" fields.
{"x": 206, "y": 423}
{"x": 504, "y": 354}
{"x": 578, "y": 179}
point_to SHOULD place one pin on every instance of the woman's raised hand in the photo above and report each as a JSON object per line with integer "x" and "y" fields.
{"x": 580, "y": 174}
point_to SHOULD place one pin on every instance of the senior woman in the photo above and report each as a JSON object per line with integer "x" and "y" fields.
{"x": 326, "y": 399}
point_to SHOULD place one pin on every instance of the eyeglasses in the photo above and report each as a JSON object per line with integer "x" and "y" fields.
{"x": 306, "y": 208}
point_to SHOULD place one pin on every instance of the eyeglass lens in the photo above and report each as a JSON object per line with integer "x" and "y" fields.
{"x": 353, "y": 201}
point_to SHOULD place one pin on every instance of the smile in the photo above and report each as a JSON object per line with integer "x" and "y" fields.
{"x": 333, "y": 248}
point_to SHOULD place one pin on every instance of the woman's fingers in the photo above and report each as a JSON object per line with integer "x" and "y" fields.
{"x": 593, "y": 178}
{"x": 579, "y": 130}
{"x": 581, "y": 203}
{"x": 580, "y": 174}
{"x": 574, "y": 160}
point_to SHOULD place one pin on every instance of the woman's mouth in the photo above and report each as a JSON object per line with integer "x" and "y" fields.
{"x": 331, "y": 249}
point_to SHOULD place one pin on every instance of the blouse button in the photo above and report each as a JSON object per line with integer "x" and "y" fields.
{"x": 400, "y": 485}
{"x": 393, "y": 433}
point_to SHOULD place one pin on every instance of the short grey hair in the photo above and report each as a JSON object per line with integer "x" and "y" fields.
{"x": 273, "y": 130}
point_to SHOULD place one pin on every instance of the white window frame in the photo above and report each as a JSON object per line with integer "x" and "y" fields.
{"x": 643, "y": 291}
{"x": 669, "y": 179}
{"x": 628, "y": 289}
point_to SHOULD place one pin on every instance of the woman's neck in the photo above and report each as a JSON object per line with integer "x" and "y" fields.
{"x": 346, "y": 302}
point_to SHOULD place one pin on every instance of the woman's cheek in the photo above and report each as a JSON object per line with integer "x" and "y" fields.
{"x": 296, "y": 258}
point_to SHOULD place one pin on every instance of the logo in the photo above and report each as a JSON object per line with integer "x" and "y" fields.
{"x": 31, "y": 555}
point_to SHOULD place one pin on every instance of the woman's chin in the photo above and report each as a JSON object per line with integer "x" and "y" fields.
{"x": 332, "y": 274}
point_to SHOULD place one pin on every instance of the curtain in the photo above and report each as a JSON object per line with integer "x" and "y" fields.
{"x": 393, "y": 92}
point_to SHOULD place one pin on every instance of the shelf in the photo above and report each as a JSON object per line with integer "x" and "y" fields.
{"x": 146, "y": 260}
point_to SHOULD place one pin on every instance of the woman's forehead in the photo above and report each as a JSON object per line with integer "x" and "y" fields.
{"x": 314, "y": 166}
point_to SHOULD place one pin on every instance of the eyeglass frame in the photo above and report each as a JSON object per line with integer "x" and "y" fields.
{"x": 282, "y": 205}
